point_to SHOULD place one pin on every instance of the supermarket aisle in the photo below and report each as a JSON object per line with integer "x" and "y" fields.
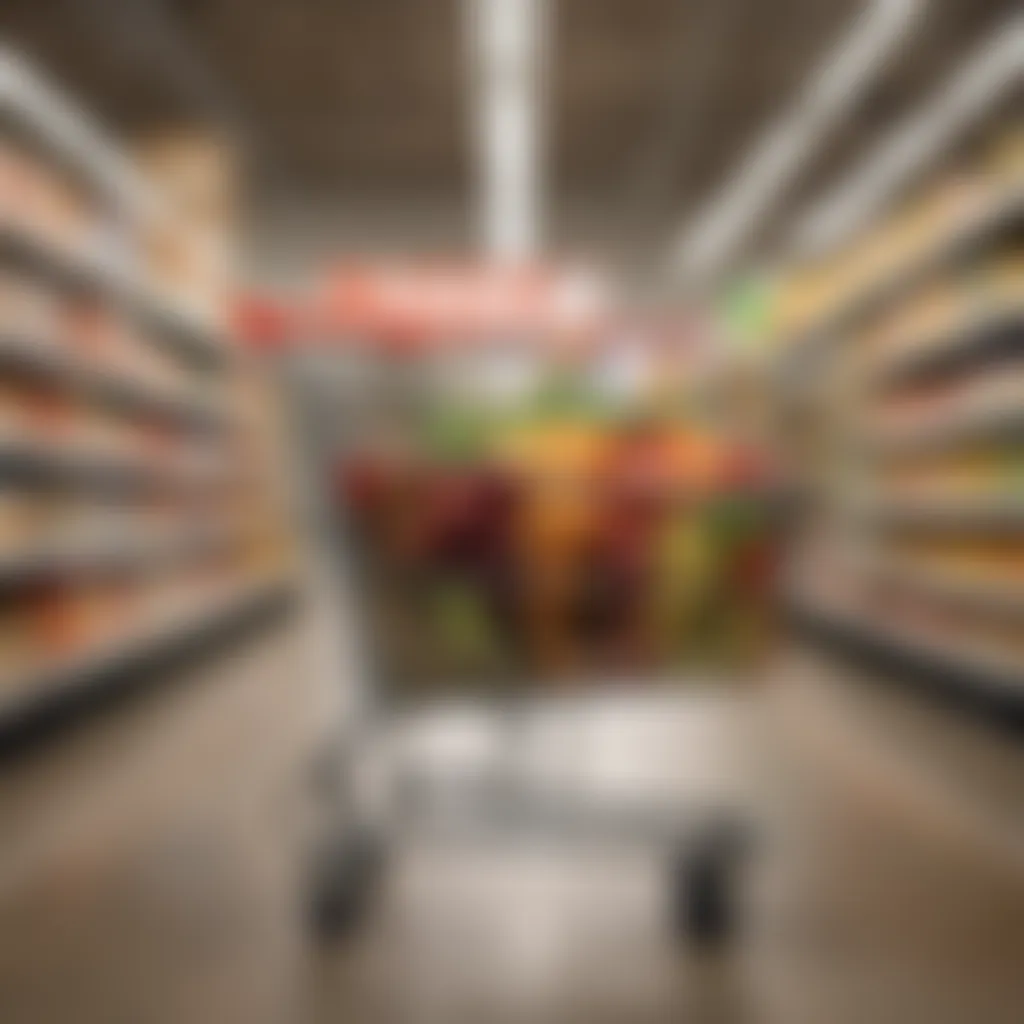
{"x": 149, "y": 867}
{"x": 534, "y": 936}
{"x": 527, "y": 934}
{"x": 908, "y": 864}
{"x": 862, "y": 905}
{"x": 152, "y": 874}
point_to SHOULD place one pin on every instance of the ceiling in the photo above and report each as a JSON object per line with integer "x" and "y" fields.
{"x": 356, "y": 114}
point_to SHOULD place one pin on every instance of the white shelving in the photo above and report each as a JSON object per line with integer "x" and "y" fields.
{"x": 136, "y": 517}
{"x": 918, "y": 537}
{"x": 71, "y": 135}
{"x": 1003, "y": 207}
{"x": 50, "y": 689}
{"x": 94, "y": 272}
{"x": 28, "y": 100}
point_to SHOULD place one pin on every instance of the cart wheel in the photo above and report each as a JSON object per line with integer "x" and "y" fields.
{"x": 704, "y": 881}
{"x": 345, "y": 883}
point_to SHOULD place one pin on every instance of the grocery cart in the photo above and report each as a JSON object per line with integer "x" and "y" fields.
{"x": 506, "y": 761}
{"x": 668, "y": 771}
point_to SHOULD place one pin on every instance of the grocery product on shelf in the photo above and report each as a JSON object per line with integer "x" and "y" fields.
{"x": 137, "y": 496}
{"x": 919, "y": 547}
{"x": 951, "y": 218}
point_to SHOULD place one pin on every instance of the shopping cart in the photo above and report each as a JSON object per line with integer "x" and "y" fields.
{"x": 668, "y": 770}
{"x": 618, "y": 763}
{"x": 665, "y": 771}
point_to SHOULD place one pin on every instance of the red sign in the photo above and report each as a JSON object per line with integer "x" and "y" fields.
{"x": 433, "y": 304}
{"x": 409, "y": 307}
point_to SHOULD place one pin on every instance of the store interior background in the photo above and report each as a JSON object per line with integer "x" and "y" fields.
{"x": 583, "y": 454}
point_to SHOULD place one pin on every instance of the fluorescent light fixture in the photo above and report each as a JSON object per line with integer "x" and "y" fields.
{"x": 505, "y": 41}
{"x": 996, "y": 66}
{"x": 707, "y": 246}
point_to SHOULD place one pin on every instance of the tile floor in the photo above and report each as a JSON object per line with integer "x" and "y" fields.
{"x": 151, "y": 872}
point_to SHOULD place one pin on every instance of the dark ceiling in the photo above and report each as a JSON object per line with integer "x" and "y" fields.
{"x": 648, "y": 103}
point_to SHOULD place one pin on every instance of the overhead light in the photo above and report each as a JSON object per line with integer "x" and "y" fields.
{"x": 505, "y": 44}
{"x": 995, "y": 67}
{"x": 706, "y": 247}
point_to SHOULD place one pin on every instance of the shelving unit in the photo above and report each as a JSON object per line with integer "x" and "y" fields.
{"x": 62, "y": 690}
{"x": 1003, "y": 598}
{"x": 995, "y": 421}
{"x": 67, "y": 137}
{"x": 1001, "y": 210}
{"x": 974, "y": 339}
{"x": 915, "y": 562}
{"x": 139, "y": 519}
{"x": 971, "y": 685}
{"x": 46, "y": 362}
{"x": 945, "y": 517}
{"x": 90, "y": 272}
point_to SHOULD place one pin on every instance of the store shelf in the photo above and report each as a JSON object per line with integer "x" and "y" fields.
{"x": 90, "y": 273}
{"x": 994, "y": 515}
{"x": 1003, "y": 211}
{"x": 978, "y": 339}
{"x": 32, "y": 708}
{"x": 28, "y": 103}
{"x": 29, "y": 567}
{"x": 19, "y": 356}
{"x": 48, "y": 364}
{"x": 50, "y": 468}
{"x": 71, "y": 271}
{"x": 144, "y": 552}
{"x": 1003, "y": 599}
{"x": 177, "y": 326}
{"x": 998, "y": 423}
{"x": 125, "y": 432}
{"x": 965, "y": 682}
{"x": 140, "y": 399}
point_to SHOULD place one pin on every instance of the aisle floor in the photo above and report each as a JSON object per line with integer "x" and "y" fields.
{"x": 152, "y": 873}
